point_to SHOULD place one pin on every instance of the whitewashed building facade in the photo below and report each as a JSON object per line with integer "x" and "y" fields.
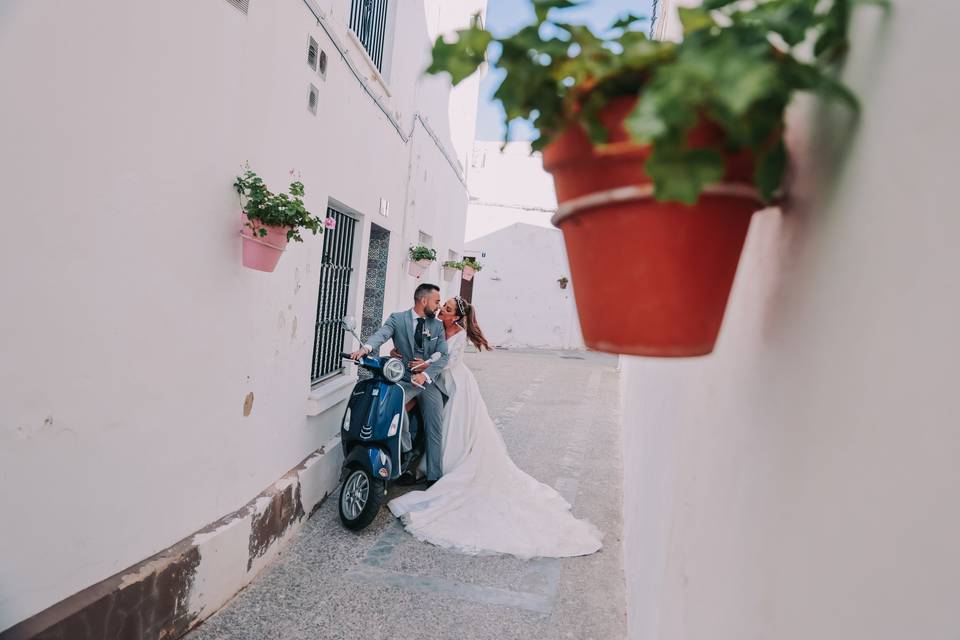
{"x": 524, "y": 297}
{"x": 158, "y": 397}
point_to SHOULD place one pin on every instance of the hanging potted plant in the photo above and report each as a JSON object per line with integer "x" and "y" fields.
{"x": 420, "y": 259}
{"x": 660, "y": 152}
{"x": 450, "y": 269}
{"x": 470, "y": 268}
{"x": 270, "y": 221}
{"x": 563, "y": 281}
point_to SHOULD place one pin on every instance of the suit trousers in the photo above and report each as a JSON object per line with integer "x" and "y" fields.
{"x": 430, "y": 399}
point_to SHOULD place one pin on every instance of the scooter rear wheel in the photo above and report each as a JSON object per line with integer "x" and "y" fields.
{"x": 360, "y": 499}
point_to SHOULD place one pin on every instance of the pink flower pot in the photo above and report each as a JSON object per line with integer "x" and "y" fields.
{"x": 468, "y": 272}
{"x": 262, "y": 253}
{"x": 416, "y": 268}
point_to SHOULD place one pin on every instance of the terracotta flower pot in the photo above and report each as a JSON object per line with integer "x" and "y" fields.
{"x": 666, "y": 268}
{"x": 416, "y": 268}
{"x": 468, "y": 272}
{"x": 262, "y": 253}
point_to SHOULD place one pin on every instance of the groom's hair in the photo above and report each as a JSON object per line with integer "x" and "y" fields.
{"x": 424, "y": 291}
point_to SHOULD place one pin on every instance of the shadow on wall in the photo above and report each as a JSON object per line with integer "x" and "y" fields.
{"x": 821, "y": 138}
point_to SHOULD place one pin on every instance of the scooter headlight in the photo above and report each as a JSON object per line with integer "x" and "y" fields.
{"x": 394, "y": 425}
{"x": 346, "y": 421}
{"x": 393, "y": 370}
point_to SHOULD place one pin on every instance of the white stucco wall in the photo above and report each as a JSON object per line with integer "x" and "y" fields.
{"x": 802, "y": 481}
{"x": 507, "y": 186}
{"x": 519, "y": 301}
{"x": 130, "y": 332}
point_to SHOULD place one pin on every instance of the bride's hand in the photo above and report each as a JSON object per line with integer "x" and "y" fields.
{"x": 395, "y": 353}
{"x": 416, "y": 364}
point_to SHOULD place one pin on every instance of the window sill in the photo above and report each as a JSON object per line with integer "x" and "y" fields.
{"x": 329, "y": 393}
{"x": 374, "y": 72}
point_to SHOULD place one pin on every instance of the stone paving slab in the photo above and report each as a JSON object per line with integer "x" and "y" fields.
{"x": 559, "y": 415}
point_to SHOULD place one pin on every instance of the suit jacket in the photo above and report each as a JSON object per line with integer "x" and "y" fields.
{"x": 399, "y": 327}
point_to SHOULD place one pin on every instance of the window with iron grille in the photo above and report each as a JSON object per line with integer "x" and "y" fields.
{"x": 336, "y": 269}
{"x": 368, "y": 19}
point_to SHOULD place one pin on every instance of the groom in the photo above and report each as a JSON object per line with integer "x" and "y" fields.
{"x": 417, "y": 333}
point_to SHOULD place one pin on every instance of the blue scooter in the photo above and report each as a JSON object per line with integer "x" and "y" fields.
{"x": 371, "y": 433}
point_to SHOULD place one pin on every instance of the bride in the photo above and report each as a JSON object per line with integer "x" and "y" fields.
{"x": 484, "y": 503}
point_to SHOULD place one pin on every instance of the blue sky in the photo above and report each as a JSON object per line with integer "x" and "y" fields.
{"x": 507, "y": 16}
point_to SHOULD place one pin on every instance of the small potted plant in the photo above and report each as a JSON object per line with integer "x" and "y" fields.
{"x": 420, "y": 259}
{"x": 450, "y": 269}
{"x": 660, "y": 151}
{"x": 563, "y": 281}
{"x": 470, "y": 267}
{"x": 270, "y": 220}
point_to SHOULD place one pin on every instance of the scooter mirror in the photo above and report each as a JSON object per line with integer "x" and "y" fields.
{"x": 349, "y": 323}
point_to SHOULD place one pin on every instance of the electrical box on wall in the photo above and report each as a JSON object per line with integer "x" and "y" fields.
{"x": 384, "y": 208}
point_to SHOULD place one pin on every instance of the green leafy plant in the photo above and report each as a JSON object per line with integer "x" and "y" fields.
{"x": 738, "y": 66}
{"x": 265, "y": 208}
{"x": 472, "y": 262}
{"x": 421, "y": 252}
{"x": 453, "y": 264}
{"x": 563, "y": 281}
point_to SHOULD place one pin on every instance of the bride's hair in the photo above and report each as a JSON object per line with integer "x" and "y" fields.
{"x": 468, "y": 320}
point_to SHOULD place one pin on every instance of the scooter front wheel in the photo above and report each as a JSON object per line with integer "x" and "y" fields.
{"x": 360, "y": 499}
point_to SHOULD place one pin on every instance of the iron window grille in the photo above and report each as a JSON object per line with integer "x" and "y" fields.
{"x": 336, "y": 269}
{"x": 368, "y": 20}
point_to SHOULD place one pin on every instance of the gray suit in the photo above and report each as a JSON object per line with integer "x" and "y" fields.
{"x": 400, "y": 327}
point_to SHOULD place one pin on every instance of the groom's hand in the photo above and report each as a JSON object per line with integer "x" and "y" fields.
{"x": 359, "y": 353}
{"x": 416, "y": 363}
{"x": 419, "y": 379}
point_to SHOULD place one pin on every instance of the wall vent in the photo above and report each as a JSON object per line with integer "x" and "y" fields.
{"x": 313, "y": 50}
{"x": 323, "y": 65}
{"x": 312, "y": 99}
{"x": 242, "y": 5}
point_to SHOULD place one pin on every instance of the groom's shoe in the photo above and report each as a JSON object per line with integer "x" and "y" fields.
{"x": 407, "y": 479}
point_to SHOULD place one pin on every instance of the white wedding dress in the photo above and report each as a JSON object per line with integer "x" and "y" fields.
{"x": 484, "y": 504}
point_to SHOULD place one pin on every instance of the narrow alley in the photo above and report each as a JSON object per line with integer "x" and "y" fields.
{"x": 559, "y": 415}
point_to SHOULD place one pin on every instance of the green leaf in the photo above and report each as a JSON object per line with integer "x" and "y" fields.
{"x": 742, "y": 81}
{"x": 695, "y": 19}
{"x": 710, "y": 5}
{"x": 770, "y": 170}
{"x": 462, "y": 57}
{"x": 789, "y": 18}
{"x": 645, "y": 124}
{"x": 627, "y": 21}
{"x": 833, "y": 89}
{"x": 542, "y": 7}
{"x": 681, "y": 174}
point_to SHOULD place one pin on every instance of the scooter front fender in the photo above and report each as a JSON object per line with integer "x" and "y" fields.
{"x": 374, "y": 460}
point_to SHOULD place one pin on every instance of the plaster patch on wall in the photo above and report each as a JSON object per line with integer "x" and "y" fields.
{"x": 293, "y": 333}
{"x": 248, "y": 404}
